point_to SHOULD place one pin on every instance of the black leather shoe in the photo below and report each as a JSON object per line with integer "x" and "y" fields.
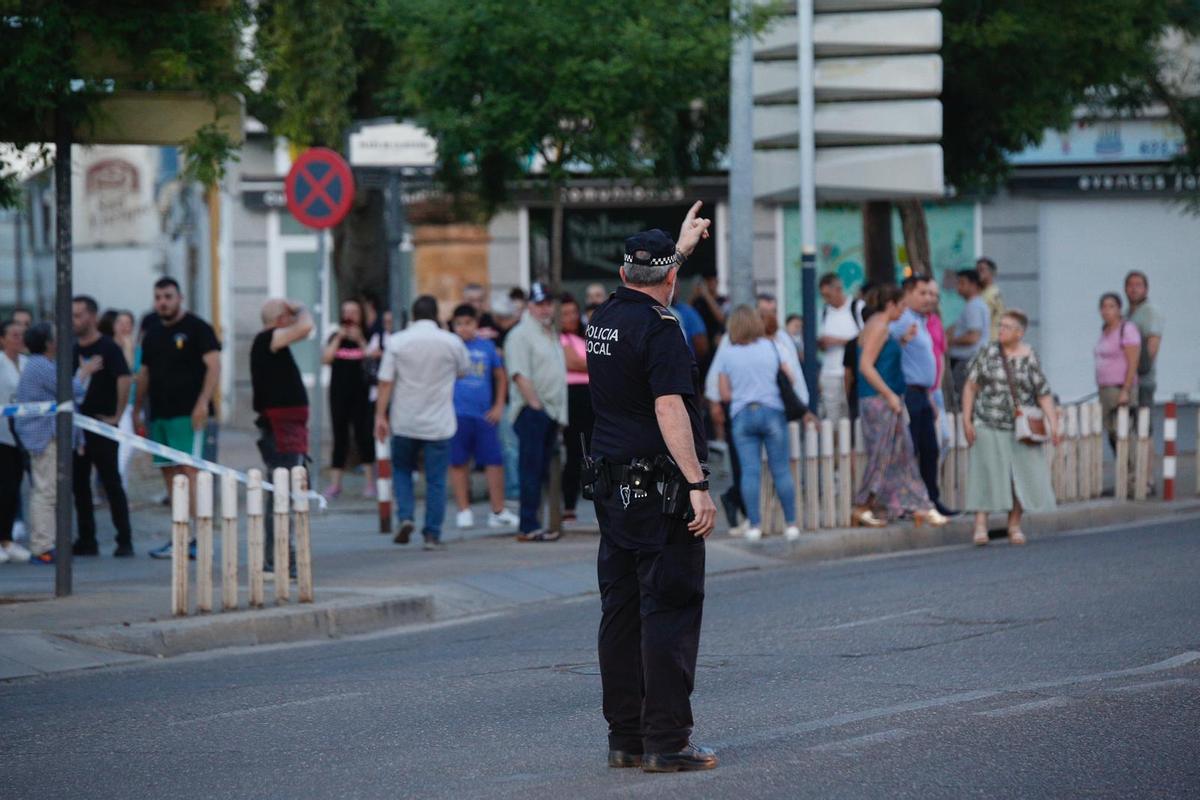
{"x": 622, "y": 758}
{"x": 689, "y": 759}
{"x": 85, "y": 549}
{"x": 123, "y": 551}
{"x": 405, "y": 532}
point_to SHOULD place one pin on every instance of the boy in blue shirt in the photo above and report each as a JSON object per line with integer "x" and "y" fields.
{"x": 479, "y": 401}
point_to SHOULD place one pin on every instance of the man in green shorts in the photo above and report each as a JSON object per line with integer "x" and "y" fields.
{"x": 180, "y": 370}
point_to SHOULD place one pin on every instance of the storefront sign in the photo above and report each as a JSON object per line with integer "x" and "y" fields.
{"x": 1105, "y": 142}
{"x": 1124, "y": 182}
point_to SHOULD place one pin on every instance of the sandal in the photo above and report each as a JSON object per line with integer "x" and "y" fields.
{"x": 1015, "y": 536}
{"x": 981, "y": 537}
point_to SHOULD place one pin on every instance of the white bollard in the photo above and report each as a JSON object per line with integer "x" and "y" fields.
{"x": 961, "y": 459}
{"x": 812, "y": 503}
{"x": 282, "y": 480}
{"x": 794, "y": 461}
{"x": 1071, "y": 456}
{"x": 1121, "y": 465}
{"x": 845, "y": 484}
{"x": 204, "y": 542}
{"x": 946, "y": 482}
{"x": 858, "y": 458}
{"x": 304, "y": 580}
{"x": 180, "y": 506}
{"x": 1141, "y": 470}
{"x": 828, "y": 506}
{"x": 1085, "y": 451}
{"x": 229, "y": 543}
{"x": 1097, "y": 450}
{"x": 254, "y": 536}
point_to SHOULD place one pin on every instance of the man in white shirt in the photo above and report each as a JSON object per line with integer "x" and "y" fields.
{"x": 841, "y": 321}
{"x": 12, "y": 361}
{"x": 417, "y": 374}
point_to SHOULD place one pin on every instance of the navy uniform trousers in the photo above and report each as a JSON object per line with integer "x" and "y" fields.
{"x": 651, "y": 571}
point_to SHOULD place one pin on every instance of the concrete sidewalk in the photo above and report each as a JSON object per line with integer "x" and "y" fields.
{"x": 120, "y": 610}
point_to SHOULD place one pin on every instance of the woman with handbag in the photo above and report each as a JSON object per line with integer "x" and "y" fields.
{"x": 1008, "y": 414}
{"x": 891, "y": 483}
{"x": 758, "y": 388}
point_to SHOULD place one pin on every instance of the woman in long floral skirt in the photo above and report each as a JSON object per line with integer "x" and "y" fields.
{"x": 892, "y": 485}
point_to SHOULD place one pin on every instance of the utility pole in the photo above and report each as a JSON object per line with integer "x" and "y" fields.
{"x": 808, "y": 195}
{"x": 741, "y": 169}
{"x": 65, "y": 359}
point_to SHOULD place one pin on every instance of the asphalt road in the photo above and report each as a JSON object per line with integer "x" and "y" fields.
{"x": 1067, "y": 668}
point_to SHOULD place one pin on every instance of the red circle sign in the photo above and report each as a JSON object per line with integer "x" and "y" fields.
{"x": 320, "y": 188}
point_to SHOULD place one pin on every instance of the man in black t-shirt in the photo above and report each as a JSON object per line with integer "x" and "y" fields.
{"x": 107, "y": 394}
{"x": 279, "y": 396}
{"x": 181, "y": 366}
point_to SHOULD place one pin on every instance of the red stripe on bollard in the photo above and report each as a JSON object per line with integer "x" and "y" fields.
{"x": 1170, "y": 431}
{"x": 383, "y": 484}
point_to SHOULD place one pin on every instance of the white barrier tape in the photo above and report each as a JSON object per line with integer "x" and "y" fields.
{"x": 43, "y": 409}
{"x": 139, "y": 443}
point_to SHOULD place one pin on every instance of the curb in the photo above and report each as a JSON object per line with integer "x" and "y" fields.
{"x": 268, "y": 626}
{"x": 856, "y": 542}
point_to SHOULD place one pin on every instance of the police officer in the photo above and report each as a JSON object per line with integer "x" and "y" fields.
{"x": 650, "y": 488}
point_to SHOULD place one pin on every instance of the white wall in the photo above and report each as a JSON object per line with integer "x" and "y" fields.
{"x": 1086, "y": 248}
{"x": 118, "y": 277}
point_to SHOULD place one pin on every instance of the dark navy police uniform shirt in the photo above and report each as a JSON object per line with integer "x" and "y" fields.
{"x": 636, "y": 353}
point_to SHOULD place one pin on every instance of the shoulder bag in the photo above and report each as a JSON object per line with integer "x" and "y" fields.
{"x": 1029, "y": 422}
{"x": 793, "y": 407}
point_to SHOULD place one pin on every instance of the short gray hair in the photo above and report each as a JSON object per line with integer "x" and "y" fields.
{"x": 646, "y": 274}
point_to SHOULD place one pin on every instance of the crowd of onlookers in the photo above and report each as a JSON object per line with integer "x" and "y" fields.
{"x": 496, "y": 393}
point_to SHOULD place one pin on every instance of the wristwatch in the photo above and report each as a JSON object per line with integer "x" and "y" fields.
{"x": 699, "y": 486}
{"x": 680, "y": 257}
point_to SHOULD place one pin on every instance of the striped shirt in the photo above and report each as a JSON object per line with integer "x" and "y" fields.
{"x": 39, "y": 383}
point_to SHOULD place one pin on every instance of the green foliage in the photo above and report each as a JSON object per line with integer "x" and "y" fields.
{"x": 305, "y": 52}
{"x": 60, "y": 58}
{"x": 620, "y": 88}
{"x": 1013, "y": 68}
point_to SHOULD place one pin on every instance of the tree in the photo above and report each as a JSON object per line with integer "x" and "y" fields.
{"x": 65, "y": 59}
{"x": 1015, "y": 68}
{"x": 626, "y": 88}
{"x": 321, "y": 65}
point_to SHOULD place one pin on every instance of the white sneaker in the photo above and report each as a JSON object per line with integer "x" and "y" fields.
{"x": 792, "y": 533}
{"x": 465, "y": 519}
{"x": 739, "y": 529}
{"x": 503, "y": 519}
{"x": 19, "y": 532}
{"x": 753, "y": 534}
{"x": 16, "y": 553}
{"x": 3, "y": 555}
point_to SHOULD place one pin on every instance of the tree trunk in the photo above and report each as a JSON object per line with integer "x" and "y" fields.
{"x": 878, "y": 254}
{"x": 916, "y": 236}
{"x": 360, "y": 263}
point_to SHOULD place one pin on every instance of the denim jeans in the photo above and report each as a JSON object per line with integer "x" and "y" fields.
{"x": 754, "y": 427}
{"x": 406, "y": 455}
{"x": 537, "y": 433}
{"x": 923, "y": 427}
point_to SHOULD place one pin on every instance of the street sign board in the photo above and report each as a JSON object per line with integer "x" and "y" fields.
{"x": 320, "y": 188}
{"x": 392, "y": 144}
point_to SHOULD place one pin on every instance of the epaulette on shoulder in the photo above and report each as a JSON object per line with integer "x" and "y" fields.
{"x": 665, "y": 313}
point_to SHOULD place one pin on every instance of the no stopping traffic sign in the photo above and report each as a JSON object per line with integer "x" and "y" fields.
{"x": 320, "y": 188}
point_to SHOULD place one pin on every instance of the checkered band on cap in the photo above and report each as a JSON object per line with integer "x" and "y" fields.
{"x": 654, "y": 262}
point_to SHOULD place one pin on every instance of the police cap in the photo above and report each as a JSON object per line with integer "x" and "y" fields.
{"x": 652, "y": 248}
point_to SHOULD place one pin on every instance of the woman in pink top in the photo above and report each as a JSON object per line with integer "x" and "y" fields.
{"x": 1116, "y": 362}
{"x": 579, "y": 403}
